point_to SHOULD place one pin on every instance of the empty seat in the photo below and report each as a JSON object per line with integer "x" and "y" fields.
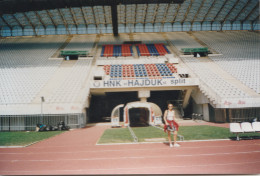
{"x": 256, "y": 126}
{"x": 247, "y": 127}
{"x": 235, "y": 128}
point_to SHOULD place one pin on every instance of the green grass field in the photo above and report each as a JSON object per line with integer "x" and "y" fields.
{"x": 24, "y": 138}
{"x": 116, "y": 135}
{"x": 204, "y": 132}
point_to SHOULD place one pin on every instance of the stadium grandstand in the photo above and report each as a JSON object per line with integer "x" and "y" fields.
{"x": 81, "y": 61}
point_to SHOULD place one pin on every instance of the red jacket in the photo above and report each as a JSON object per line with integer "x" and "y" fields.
{"x": 170, "y": 122}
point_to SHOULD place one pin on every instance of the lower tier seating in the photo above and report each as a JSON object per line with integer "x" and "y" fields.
{"x": 140, "y": 70}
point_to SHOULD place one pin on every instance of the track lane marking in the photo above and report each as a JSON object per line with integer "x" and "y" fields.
{"x": 134, "y": 157}
{"x": 113, "y": 150}
{"x": 135, "y": 168}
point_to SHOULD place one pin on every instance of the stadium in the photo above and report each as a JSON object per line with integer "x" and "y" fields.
{"x": 96, "y": 61}
{"x": 140, "y": 42}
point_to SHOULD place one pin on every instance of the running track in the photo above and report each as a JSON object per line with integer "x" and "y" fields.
{"x": 76, "y": 152}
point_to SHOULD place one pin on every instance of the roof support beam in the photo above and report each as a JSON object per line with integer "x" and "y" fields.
{"x": 40, "y": 19}
{"x": 254, "y": 21}
{"x": 123, "y": 13}
{"x": 94, "y": 16}
{"x": 257, "y": 18}
{"x": 213, "y": 5}
{"x": 64, "y": 21}
{"x": 187, "y": 12}
{"x": 222, "y": 23}
{"x": 17, "y": 21}
{"x": 176, "y": 13}
{"x": 5, "y": 22}
{"x": 84, "y": 17}
{"x": 219, "y": 11}
{"x": 53, "y": 22}
{"x": 12, "y": 6}
{"x": 241, "y": 10}
{"x": 155, "y": 12}
{"x": 73, "y": 17}
{"x": 145, "y": 11}
{"x": 134, "y": 22}
{"x": 195, "y": 16}
{"x": 165, "y": 13}
{"x": 255, "y": 8}
{"x": 114, "y": 19}
{"x": 30, "y": 23}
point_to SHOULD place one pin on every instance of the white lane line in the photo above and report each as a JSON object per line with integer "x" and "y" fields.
{"x": 60, "y": 146}
{"x": 206, "y": 140}
{"x": 134, "y": 168}
{"x": 134, "y": 157}
{"x": 127, "y": 149}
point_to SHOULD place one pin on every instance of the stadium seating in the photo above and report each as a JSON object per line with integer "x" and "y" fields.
{"x": 73, "y": 83}
{"x": 151, "y": 49}
{"x": 81, "y": 43}
{"x": 214, "y": 83}
{"x": 240, "y": 57}
{"x": 235, "y": 128}
{"x": 25, "y": 67}
{"x": 140, "y": 70}
{"x": 182, "y": 40}
{"x": 247, "y": 127}
{"x": 244, "y": 127}
{"x": 127, "y": 50}
{"x": 116, "y": 50}
{"x": 256, "y": 126}
{"x": 162, "y": 50}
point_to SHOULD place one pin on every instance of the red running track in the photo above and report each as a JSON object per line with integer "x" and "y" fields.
{"x": 76, "y": 152}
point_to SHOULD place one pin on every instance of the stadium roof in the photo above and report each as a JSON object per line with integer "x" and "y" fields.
{"x": 85, "y": 12}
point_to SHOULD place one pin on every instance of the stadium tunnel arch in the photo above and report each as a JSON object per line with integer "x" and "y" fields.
{"x": 141, "y": 113}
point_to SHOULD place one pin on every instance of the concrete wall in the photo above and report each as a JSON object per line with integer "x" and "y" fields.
{"x": 200, "y": 104}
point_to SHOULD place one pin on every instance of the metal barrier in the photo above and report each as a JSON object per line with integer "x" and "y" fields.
{"x": 28, "y": 122}
{"x": 180, "y": 136}
{"x": 132, "y": 134}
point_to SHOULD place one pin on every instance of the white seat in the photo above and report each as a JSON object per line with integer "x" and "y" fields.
{"x": 256, "y": 126}
{"x": 235, "y": 128}
{"x": 247, "y": 127}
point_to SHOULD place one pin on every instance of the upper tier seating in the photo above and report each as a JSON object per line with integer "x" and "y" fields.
{"x": 116, "y": 50}
{"x": 149, "y": 38}
{"x": 140, "y": 70}
{"x": 240, "y": 57}
{"x": 182, "y": 40}
{"x": 152, "y": 49}
{"x": 81, "y": 43}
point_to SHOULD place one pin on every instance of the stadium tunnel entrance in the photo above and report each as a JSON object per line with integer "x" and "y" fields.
{"x": 102, "y": 105}
{"x": 139, "y": 117}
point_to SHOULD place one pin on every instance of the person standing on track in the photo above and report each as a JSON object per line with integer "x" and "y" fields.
{"x": 171, "y": 125}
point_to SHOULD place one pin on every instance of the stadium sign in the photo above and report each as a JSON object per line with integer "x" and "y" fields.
{"x": 144, "y": 83}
